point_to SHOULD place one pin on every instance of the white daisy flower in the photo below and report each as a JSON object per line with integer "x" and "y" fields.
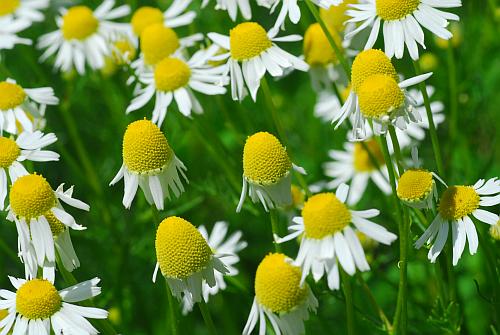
{"x": 175, "y": 79}
{"x": 249, "y": 44}
{"x": 41, "y": 219}
{"x": 291, "y": 9}
{"x": 402, "y": 22}
{"x": 266, "y": 172}
{"x": 354, "y": 164}
{"x": 28, "y": 10}
{"x": 9, "y": 28}
{"x": 23, "y": 105}
{"x": 82, "y": 37}
{"x": 221, "y": 247}
{"x": 328, "y": 239}
{"x": 377, "y": 95}
{"x": 149, "y": 163}
{"x": 27, "y": 146}
{"x": 456, "y": 206}
{"x": 231, "y": 6}
{"x": 280, "y": 298}
{"x": 185, "y": 259}
{"x": 36, "y": 307}
{"x": 175, "y": 16}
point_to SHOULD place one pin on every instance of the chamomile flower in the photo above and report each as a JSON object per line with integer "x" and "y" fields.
{"x": 9, "y": 28}
{"x": 175, "y": 16}
{"x": 23, "y": 105}
{"x": 221, "y": 247}
{"x": 377, "y": 95}
{"x": 185, "y": 259}
{"x": 251, "y": 53}
{"x": 402, "y": 22}
{"x": 232, "y": 6}
{"x": 417, "y": 188}
{"x": 455, "y": 208}
{"x": 82, "y": 36}
{"x": 328, "y": 239}
{"x": 280, "y": 297}
{"x": 37, "y": 307}
{"x": 494, "y": 231}
{"x": 28, "y": 10}
{"x": 41, "y": 219}
{"x": 149, "y": 163}
{"x": 176, "y": 79}
{"x": 26, "y": 147}
{"x": 266, "y": 172}
{"x": 355, "y": 164}
{"x": 335, "y": 16}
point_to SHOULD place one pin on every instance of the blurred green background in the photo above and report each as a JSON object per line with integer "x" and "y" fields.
{"x": 119, "y": 244}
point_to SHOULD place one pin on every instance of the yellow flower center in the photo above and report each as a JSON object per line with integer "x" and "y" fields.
{"x": 31, "y": 196}
{"x": 495, "y": 231}
{"x": 415, "y": 185}
{"x": 324, "y": 215}
{"x": 3, "y": 314}
{"x": 277, "y": 284}
{"x": 79, "y": 23}
{"x": 362, "y": 160}
{"x": 144, "y": 17}
{"x": 317, "y": 49}
{"x": 9, "y": 151}
{"x": 123, "y": 51}
{"x": 171, "y": 74}
{"x": 298, "y": 196}
{"x": 158, "y": 42}
{"x": 145, "y": 148}
{"x": 335, "y": 16}
{"x": 11, "y": 95}
{"x": 379, "y": 95}
{"x": 265, "y": 160}
{"x": 457, "y": 202}
{"x": 8, "y": 6}
{"x": 38, "y": 299}
{"x": 248, "y": 40}
{"x": 368, "y": 63}
{"x": 180, "y": 248}
{"x": 56, "y": 226}
{"x": 395, "y": 9}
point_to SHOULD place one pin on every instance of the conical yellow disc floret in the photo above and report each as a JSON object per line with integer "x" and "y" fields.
{"x": 265, "y": 160}
{"x": 144, "y": 17}
{"x": 9, "y": 151}
{"x": 277, "y": 284}
{"x": 31, "y": 196}
{"x": 415, "y": 185}
{"x": 79, "y": 23}
{"x": 248, "y": 40}
{"x": 368, "y": 63}
{"x": 317, "y": 49}
{"x": 181, "y": 250}
{"x": 11, "y": 95}
{"x": 145, "y": 148}
{"x": 38, "y": 299}
{"x": 8, "y": 6}
{"x": 395, "y": 9}
{"x": 335, "y": 16}
{"x": 457, "y": 202}
{"x": 362, "y": 160}
{"x": 171, "y": 74}
{"x": 324, "y": 215}
{"x": 379, "y": 95}
{"x": 158, "y": 42}
{"x": 56, "y": 226}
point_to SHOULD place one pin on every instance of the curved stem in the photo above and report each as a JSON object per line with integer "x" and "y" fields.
{"x": 207, "y": 317}
{"x": 374, "y": 303}
{"x": 273, "y": 213}
{"x": 349, "y": 302}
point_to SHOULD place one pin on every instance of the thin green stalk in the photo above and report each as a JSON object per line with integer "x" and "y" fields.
{"x": 171, "y": 315}
{"x": 452, "y": 83}
{"x": 207, "y": 317}
{"x": 432, "y": 127}
{"x": 397, "y": 149}
{"x": 374, "y": 303}
{"x": 273, "y": 213}
{"x": 156, "y": 215}
{"x": 340, "y": 56}
{"x": 349, "y": 302}
{"x": 452, "y": 286}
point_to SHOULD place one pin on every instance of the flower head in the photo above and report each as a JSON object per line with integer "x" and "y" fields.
{"x": 417, "y": 188}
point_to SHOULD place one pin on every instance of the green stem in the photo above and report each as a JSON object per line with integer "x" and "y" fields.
{"x": 397, "y": 149}
{"x": 340, "y": 56}
{"x": 349, "y": 302}
{"x": 452, "y": 82}
{"x": 156, "y": 215}
{"x": 171, "y": 311}
{"x": 207, "y": 317}
{"x": 432, "y": 127}
{"x": 374, "y": 303}
{"x": 273, "y": 213}
{"x": 452, "y": 286}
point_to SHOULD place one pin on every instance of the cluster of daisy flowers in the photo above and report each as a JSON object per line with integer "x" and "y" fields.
{"x": 174, "y": 71}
